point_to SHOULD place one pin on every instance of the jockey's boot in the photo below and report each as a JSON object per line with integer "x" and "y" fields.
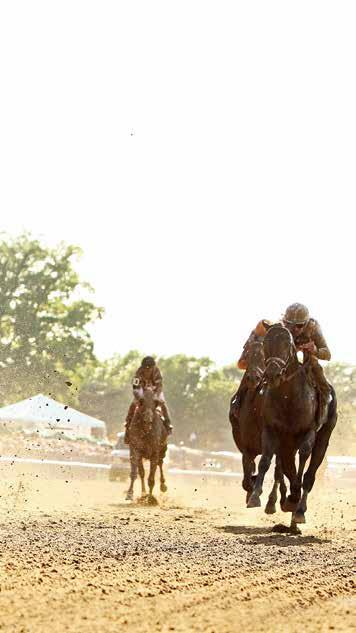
{"x": 130, "y": 415}
{"x": 166, "y": 418}
{"x": 324, "y": 394}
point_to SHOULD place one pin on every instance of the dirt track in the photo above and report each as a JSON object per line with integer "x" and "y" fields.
{"x": 75, "y": 557}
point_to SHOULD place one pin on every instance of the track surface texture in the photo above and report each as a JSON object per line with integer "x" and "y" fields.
{"x": 75, "y": 557}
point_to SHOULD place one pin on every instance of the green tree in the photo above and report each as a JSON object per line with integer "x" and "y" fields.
{"x": 211, "y": 410}
{"x": 343, "y": 379}
{"x": 43, "y": 319}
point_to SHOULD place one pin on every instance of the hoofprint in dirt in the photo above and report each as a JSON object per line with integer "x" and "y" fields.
{"x": 75, "y": 557}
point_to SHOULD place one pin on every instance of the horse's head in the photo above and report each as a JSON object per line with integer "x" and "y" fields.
{"x": 255, "y": 364}
{"x": 279, "y": 351}
{"x": 147, "y": 409}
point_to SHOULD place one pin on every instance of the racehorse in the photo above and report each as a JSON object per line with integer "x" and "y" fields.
{"x": 246, "y": 421}
{"x": 290, "y": 408}
{"x": 147, "y": 440}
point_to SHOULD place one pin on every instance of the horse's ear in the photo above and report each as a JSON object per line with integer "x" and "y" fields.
{"x": 266, "y": 324}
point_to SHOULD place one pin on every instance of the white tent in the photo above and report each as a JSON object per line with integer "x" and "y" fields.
{"x": 49, "y": 417}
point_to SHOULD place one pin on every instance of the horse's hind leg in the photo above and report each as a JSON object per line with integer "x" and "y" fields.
{"x": 318, "y": 454}
{"x": 163, "y": 485}
{"x": 133, "y": 476}
{"x": 151, "y": 476}
{"x": 248, "y": 465}
{"x": 141, "y": 472}
{"x": 272, "y": 499}
{"x": 269, "y": 448}
{"x": 282, "y": 488}
{"x": 289, "y": 469}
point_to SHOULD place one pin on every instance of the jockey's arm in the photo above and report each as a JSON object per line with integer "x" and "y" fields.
{"x": 323, "y": 352}
{"x": 242, "y": 362}
{"x": 157, "y": 381}
{"x": 317, "y": 345}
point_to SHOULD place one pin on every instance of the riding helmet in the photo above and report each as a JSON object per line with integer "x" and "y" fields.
{"x": 296, "y": 314}
{"x": 148, "y": 361}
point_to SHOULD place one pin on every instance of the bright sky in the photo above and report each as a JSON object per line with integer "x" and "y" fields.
{"x": 201, "y": 153}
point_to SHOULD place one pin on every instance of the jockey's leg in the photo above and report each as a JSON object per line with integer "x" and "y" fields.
{"x": 166, "y": 417}
{"x": 237, "y": 399}
{"x": 324, "y": 390}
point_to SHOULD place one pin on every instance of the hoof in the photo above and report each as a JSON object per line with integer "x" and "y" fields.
{"x": 294, "y": 529}
{"x": 299, "y": 517}
{"x": 164, "y": 488}
{"x": 248, "y": 495}
{"x": 254, "y": 502}
{"x": 151, "y": 500}
{"x": 270, "y": 508}
{"x": 129, "y": 496}
{"x": 289, "y": 506}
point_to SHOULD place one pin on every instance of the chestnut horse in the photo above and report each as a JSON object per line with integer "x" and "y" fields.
{"x": 147, "y": 440}
{"x": 290, "y": 404}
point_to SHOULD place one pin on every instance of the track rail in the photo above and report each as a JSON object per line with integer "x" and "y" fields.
{"x": 345, "y": 465}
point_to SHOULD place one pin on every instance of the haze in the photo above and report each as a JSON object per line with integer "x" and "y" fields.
{"x": 201, "y": 153}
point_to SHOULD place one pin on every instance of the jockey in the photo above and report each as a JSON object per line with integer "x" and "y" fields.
{"x": 147, "y": 375}
{"x": 257, "y": 334}
{"x": 309, "y": 339}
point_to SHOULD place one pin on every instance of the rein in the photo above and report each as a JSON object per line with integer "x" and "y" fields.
{"x": 300, "y": 368}
{"x": 283, "y": 366}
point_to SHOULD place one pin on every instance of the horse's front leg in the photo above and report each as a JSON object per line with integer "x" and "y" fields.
{"x": 133, "y": 475}
{"x": 305, "y": 450}
{"x": 141, "y": 472}
{"x": 318, "y": 453}
{"x": 151, "y": 476}
{"x": 282, "y": 483}
{"x": 163, "y": 481}
{"x": 272, "y": 499}
{"x": 269, "y": 448}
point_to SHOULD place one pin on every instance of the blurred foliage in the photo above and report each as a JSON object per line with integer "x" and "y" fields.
{"x": 343, "y": 379}
{"x": 43, "y": 319}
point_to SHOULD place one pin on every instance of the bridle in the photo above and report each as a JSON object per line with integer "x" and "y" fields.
{"x": 282, "y": 365}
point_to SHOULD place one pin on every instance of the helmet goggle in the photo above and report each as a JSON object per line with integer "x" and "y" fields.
{"x": 296, "y": 324}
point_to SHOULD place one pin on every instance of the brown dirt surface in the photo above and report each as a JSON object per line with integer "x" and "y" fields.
{"x": 75, "y": 557}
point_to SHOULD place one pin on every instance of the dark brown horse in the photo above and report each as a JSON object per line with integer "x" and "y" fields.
{"x": 290, "y": 404}
{"x": 147, "y": 440}
{"x": 246, "y": 421}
